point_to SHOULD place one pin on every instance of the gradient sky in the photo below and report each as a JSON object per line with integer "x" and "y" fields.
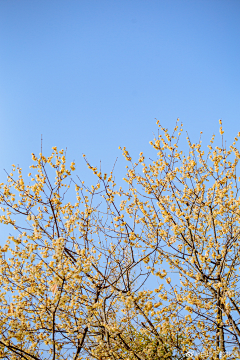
{"x": 93, "y": 75}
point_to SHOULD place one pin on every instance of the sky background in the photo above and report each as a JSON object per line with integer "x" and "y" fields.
{"x": 94, "y": 75}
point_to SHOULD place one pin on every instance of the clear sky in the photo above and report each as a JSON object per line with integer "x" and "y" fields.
{"x": 93, "y": 75}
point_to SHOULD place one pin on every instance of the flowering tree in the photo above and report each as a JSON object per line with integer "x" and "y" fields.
{"x": 188, "y": 208}
{"x": 70, "y": 288}
{"x": 89, "y": 275}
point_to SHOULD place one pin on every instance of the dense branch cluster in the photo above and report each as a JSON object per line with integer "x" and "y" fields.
{"x": 87, "y": 271}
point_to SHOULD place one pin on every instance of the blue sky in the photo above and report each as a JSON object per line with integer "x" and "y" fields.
{"x": 93, "y": 75}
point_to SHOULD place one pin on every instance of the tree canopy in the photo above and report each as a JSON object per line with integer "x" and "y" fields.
{"x": 147, "y": 271}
